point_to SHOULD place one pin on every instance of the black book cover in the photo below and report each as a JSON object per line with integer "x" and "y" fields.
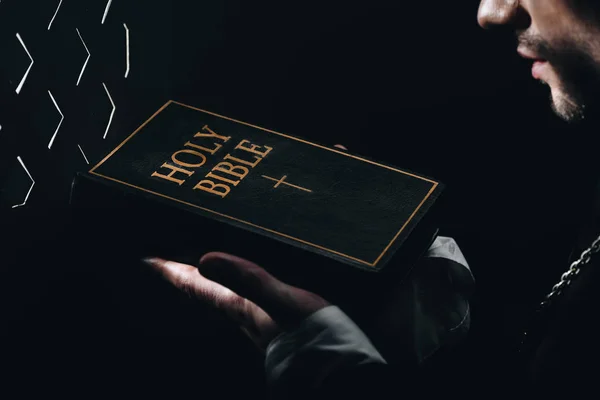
{"x": 190, "y": 181}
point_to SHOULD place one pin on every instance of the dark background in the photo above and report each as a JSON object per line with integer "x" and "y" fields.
{"x": 415, "y": 84}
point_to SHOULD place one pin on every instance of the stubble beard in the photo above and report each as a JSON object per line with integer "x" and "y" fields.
{"x": 577, "y": 90}
{"x": 567, "y": 107}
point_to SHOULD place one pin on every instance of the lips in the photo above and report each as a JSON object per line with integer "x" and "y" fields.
{"x": 539, "y": 64}
{"x": 538, "y": 68}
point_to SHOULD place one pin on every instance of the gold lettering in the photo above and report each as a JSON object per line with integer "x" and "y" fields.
{"x": 253, "y": 147}
{"x": 213, "y": 151}
{"x": 213, "y": 188}
{"x": 230, "y": 169}
{"x": 174, "y": 170}
{"x": 211, "y": 134}
{"x": 184, "y": 164}
{"x": 211, "y": 175}
{"x": 237, "y": 160}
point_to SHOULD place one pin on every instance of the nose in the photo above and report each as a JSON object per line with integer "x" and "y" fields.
{"x": 498, "y": 13}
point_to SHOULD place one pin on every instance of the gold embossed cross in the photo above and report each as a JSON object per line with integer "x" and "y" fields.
{"x": 282, "y": 181}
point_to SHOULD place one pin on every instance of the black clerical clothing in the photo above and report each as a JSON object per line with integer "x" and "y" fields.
{"x": 561, "y": 357}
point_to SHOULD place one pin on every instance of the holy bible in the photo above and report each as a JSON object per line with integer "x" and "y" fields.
{"x": 189, "y": 181}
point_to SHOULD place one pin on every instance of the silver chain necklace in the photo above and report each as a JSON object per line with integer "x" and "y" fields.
{"x": 565, "y": 280}
{"x": 572, "y": 272}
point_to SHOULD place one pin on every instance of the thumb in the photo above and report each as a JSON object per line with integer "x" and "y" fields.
{"x": 286, "y": 305}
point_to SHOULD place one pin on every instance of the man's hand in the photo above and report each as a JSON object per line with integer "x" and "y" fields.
{"x": 260, "y": 304}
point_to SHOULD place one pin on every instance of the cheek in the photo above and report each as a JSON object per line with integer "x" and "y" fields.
{"x": 553, "y": 20}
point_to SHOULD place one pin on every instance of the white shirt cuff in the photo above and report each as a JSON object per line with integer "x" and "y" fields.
{"x": 325, "y": 342}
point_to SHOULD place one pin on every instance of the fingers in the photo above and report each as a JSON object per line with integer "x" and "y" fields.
{"x": 189, "y": 280}
{"x": 287, "y": 305}
{"x": 339, "y": 146}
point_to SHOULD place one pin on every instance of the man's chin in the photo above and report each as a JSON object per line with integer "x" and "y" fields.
{"x": 566, "y": 107}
